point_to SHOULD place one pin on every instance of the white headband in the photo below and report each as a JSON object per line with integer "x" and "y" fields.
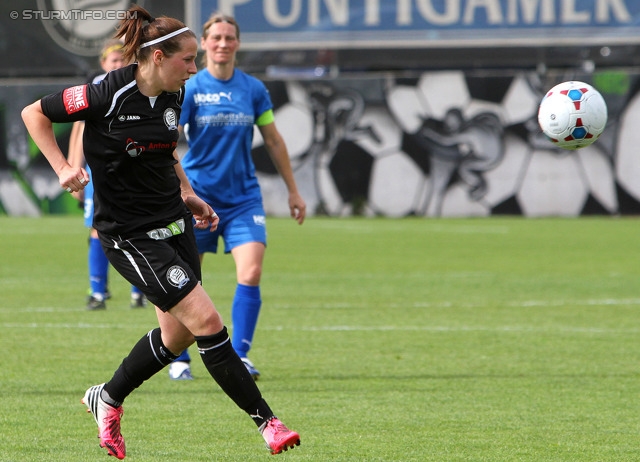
{"x": 164, "y": 37}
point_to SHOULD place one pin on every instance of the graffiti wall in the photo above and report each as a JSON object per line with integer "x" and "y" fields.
{"x": 447, "y": 143}
{"x": 450, "y": 144}
{"x": 388, "y": 108}
{"x": 27, "y": 183}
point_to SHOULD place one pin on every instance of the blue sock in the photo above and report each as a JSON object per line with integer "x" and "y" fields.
{"x": 244, "y": 315}
{"x": 184, "y": 356}
{"x": 135, "y": 290}
{"x": 98, "y": 267}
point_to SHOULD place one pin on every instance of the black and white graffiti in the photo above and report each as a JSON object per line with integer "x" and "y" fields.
{"x": 446, "y": 144}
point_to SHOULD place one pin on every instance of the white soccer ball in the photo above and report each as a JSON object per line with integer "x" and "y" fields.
{"x": 572, "y": 115}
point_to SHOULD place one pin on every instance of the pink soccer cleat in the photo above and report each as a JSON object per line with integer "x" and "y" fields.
{"x": 278, "y": 437}
{"x": 108, "y": 420}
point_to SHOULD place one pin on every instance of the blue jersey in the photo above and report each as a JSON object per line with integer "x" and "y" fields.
{"x": 219, "y": 116}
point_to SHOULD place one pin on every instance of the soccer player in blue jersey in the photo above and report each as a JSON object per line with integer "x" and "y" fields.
{"x": 221, "y": 106}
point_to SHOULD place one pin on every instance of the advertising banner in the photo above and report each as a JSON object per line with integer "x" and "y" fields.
{"x": 296, "y": 24}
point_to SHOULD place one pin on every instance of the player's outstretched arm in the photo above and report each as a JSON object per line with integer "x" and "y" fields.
{"x": 41, "y": 130}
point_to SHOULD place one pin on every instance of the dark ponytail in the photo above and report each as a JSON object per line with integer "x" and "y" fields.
{"x": 140, "y": 27}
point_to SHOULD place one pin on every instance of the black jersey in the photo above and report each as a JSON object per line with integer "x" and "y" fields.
{"x": 128, "y": 142}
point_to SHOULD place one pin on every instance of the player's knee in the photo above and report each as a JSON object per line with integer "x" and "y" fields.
{"x": 213, "y": 322}
{"x": 250, "y": 276}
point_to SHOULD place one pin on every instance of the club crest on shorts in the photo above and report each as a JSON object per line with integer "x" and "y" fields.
{"x": 177, "y": 277}
{"x": 171, "y": 119}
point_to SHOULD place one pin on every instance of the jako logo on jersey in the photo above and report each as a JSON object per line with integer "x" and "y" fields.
{"x": 123, "y": 118}
{"x": 170, "y": 119}
{"x": 177, "y": 277}
{"x": 133, "y": 149}
{"x": 210, "y": 98}
{"x": 259, "y": 220}
{"x": 75, "y": 98}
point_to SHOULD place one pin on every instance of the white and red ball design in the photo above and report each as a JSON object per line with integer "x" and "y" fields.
{"x": 572, "y": 115}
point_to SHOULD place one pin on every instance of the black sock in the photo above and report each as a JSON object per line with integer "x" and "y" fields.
{"x": 228, "y": 370}
{"x": 147, "y": 357}
{"x": 104, "y": 395}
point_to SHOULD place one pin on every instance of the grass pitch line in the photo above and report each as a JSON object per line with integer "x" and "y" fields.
{"x": 347, "y": 305}
{"x": 505, "y": 329}
{"x": 62, "y": 325}
{"x": 601, "y": 302}
{"x": 347, "y": 328}
{"x": 448, "y": 304}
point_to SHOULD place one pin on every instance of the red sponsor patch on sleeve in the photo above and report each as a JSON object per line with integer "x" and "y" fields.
{"x": 75, "y": 99}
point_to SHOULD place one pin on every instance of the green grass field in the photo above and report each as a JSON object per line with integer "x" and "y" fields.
{"x": 498, "y": 339}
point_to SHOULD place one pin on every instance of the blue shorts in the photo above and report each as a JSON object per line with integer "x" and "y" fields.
{"x": 238, "y": 225}
{"x": 88, "y": 201}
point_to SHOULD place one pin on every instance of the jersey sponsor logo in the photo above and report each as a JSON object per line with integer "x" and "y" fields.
{"x": 211, "y": 98}
{"x": 170, "y": 119}
{"x": 177, "y": 276}
{"x": 75, "y": 98}
{"x": 172, "y": 145}
{"x": 133, "y": 148}
{"x": 222, "y": 119}
{"x": 172, "y": 229}
{"x": 127, "y": 117}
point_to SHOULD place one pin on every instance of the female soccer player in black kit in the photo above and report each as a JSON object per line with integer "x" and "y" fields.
{"x": 144, "y": 213}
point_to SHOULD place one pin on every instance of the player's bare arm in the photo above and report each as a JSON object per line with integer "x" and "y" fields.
{"x": 279, "y": 154}
{"x": 41, "y": 129}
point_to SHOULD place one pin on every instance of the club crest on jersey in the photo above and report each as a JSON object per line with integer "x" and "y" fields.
{"x": 133, "y": 148}
{"x": 75, "y": 98}
{"x": 177, "y": 276}
{"x": 170, "y": 119}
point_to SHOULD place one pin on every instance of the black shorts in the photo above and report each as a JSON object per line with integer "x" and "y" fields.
{"x": 163, "y": 263}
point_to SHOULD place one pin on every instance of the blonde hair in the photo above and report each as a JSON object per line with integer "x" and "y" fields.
{"x": 213, "y": 19}
{"x": 109, "y": 47}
